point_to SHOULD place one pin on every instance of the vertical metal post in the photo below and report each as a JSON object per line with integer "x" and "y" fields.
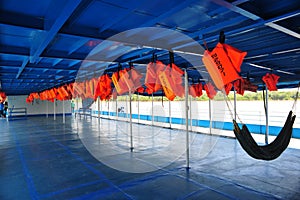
{"x": 54, "y": 109}
{"x": 234, "y": 93}
{"x": 152, "y": 111}
{"x": 138, "y": 101}
{"x": 98, "y": 110}
{"x": 64, "y": 116}
{"x": 267, "y": 117}
{"x": 187, "y": 119}
{"x": 130, "y": 112}
{"x": 190, "y": 109}
{"x": 210, "y": 116}
{"x": 47, "y": 113}
{"x": 117, "y": 108}
{"x": 126, "y": 108}
{"x": 76, "y": 111}
{"x": 108, "y": 109}
{"x": 170, "y": 115}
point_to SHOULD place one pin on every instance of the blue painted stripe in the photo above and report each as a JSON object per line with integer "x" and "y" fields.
{"x": 254, "y": 128}
{"x": 33, "y": 193}
{"x": 51, "y": 194}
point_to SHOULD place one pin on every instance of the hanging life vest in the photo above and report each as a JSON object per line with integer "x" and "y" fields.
{"x": 195, "y": 90}
{"x": 210, "y": 90}
{"x": 176, "y": 75}
{"x": 167, "y": 83}
{"x": 223, "y": 64}
{"x": 2, "y": 97}
{"x": 239, "y": 86}
{"x": 228, "y": 87}
{"x": 271, "y": 81}
{"x": 152, "y": 81}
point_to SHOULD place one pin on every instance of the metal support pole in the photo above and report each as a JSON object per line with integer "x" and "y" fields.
{"x": 130, "y": 111}
{"x": 108, "y": 109}
{"x": 234, "y": 93}
{"x": 76, "y": 111}
{"x": 152, "y": 111}
{"x": 187, "y": 119}
{"x": 191, "y": 119}
{"x": 64, "y": 115}
{"x": 138, "y": 101}
{"x": 98, "y": 110}
{"x": 267, "y": 117}
{"x": 210, "y": 116}
{"x": 117, "y": 108}
{"x": 126, "y": 108}
{"x": 170, "y": 115}
{"x": 54, "y": 109}
{"x": 47, "y": 114}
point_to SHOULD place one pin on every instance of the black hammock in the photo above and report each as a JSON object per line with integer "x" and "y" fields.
{"x": 266, "y": 152}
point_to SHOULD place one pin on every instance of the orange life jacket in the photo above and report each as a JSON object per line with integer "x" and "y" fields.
{"x": 176, "y": 75}
{"x": 271, "y": 81}
{"x": 228, "y": 87}
{"x": 152, "y": 82}
{"x": 105, "y": 87}
{"x": 210, "y": 90}
{"x": 223, "y": 64}
{"x": 135, "y": 76}
{"x": 167, "y": 84}
{"x": 88, "y": 89}
{"x": 239, "y": 86}
{"x": 121, "y": 81}
{"x": 192, "y": 90}
{"x": 2, "y": 97}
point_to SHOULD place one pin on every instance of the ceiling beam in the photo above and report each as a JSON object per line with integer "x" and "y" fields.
{"x": 24, "y": 63}
{"x": 67, "y": 10}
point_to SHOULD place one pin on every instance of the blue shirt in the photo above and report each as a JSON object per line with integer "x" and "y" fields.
{"x": 1, "y": 106}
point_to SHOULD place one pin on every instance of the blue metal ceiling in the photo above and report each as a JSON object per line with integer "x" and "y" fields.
{"x": 45, "y": 43}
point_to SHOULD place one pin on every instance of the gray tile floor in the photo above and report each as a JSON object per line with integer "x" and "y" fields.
{"x": 46, "y": 159}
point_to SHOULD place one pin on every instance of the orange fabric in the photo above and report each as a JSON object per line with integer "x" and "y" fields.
{"x": 29, "y": 99}
{"x": 63, "y": 93}
{"x": 79, "y": 89}
{"x": 35, "y": 95}
{"x": 150, "y": 78}
{"x": 235, "y": 55}
{"x": 152, "y": 82}
{"x": 105, "y": 89}
{"x": 2, "y": 97}
{"x": 121, "y": 81}
{"x": 223, "y": 64}
{"x": 140, "y": 89}
{"x": 271, "y": 80}
{"x": 88, "y": 89}
{"x": 199, "y": 89}
{"x": 192, "y": 90}
{"x": 176, "y": 75}
{"x": 136, "y": 78}
{"x": 159, "y": 67}
{"x": 195, "y": 90}
{"x": 167, "y": 84}
{"x": 227, "y": 88}
{"x": 210, "y": 90}
{"x": 239, "y": 86}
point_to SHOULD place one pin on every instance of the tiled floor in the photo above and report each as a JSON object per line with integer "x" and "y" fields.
{"x": 46, "y": 159}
